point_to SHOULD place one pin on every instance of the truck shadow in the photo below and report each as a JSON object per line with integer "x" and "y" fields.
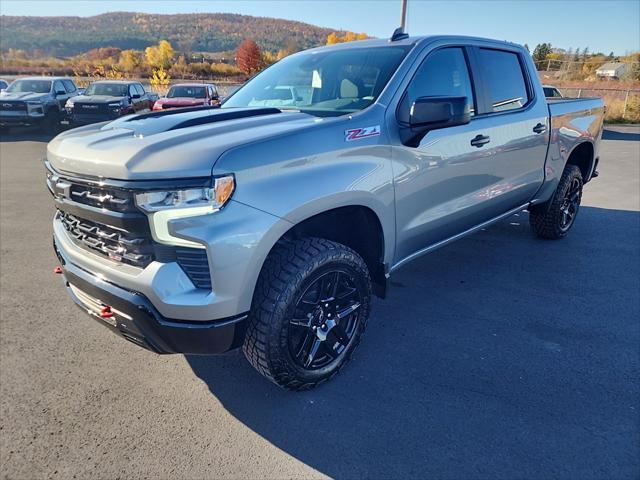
{"x": 25, "y": 134}
{"x": 492, "y": 357}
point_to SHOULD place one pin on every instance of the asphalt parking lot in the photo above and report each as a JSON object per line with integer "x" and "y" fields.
{"x": 499, "y": 356}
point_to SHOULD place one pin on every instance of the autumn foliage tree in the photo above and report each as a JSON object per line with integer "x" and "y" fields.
{"x": 160, "y": 55}
{"x": 249, "y": 57}
{"x": 334, "y": 38}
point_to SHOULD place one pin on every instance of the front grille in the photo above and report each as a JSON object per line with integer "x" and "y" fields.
{"x": 95, "y": 196}
{"x": 9, "y": 106}
{"x": 105, "y": 220}
{"x": 113, "y": 243}
{"x": 90, "y": 108}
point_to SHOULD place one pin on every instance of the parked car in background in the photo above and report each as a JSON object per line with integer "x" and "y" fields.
{"x": 3, "y": 84}
{"x": 270, "y": 227}
{"x": 189, "y": 95}
{"x": 551, "y": 92}
{"x": 36, "y": 101}
{"x": 107, "y": 100}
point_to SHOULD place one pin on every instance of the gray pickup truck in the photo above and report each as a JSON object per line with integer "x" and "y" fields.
{"x": 270, "y": 222}
{"x": 36, "y": 101}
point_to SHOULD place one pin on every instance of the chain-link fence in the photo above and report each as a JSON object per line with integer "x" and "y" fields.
{"x": 622, "y": 104}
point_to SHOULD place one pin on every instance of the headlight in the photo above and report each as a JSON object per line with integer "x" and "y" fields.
{"x": 115, "y": 105}
{"x": 164, "y": 206}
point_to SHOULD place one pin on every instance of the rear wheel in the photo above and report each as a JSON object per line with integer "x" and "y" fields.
{"x": 555, "y": 221}
{"x": 309, "y": 311}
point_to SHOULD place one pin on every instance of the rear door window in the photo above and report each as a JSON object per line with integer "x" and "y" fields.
{"x": 504, "y": 79}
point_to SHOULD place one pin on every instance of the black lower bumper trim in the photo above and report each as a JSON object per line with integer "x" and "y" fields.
{"x": 136, "y": 319}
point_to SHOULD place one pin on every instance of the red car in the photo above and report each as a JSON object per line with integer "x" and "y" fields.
{"x": 189, "y": 95}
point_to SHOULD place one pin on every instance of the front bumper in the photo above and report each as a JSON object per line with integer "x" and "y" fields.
{"x": 21, "y": 119}
{"x": 133, "y": 317}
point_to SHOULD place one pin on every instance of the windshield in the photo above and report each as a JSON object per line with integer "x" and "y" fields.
{"x": 110, "y": 89}
{"x": 35, "y": 86}
{"x": 192, "y": 92}
{"x": 322, "y": 83}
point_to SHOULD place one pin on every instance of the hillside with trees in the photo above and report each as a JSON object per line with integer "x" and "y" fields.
{"x": 193, "y": 32}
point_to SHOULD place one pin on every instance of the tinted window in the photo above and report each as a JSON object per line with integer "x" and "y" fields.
{"x": 58, "y": 87}
{"x": 139, "y": 89}
{"x": 505, "y": 81}
{"x": 110, "y": 89}
{"x": 444, "y": 73}
{"x": 551, "y": 92}
{"x": 69, "y": 86}
{"x": 35, "y": 86}
{"x": 186, "y": 92}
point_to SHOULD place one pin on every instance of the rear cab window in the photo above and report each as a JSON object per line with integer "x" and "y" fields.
{"x": 504, "y": 79}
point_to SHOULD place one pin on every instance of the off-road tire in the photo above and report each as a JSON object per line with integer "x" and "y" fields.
{"x": 547, "y": 222}
{"x": 289, "y": 268}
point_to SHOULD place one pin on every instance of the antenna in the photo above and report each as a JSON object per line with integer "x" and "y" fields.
{"x": 399, "y": 33}
{"x": 403, "y": 14}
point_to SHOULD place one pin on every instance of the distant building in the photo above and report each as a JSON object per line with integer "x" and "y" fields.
{"x": 613, "y": 70}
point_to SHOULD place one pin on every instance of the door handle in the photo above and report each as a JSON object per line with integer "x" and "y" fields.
{"x": 480, "y": 140}
{"x": 539, "y": 128}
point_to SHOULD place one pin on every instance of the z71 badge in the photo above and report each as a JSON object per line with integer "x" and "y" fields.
{"x": 359, "y": 133}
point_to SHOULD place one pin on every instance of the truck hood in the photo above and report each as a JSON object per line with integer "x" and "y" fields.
{"x": 24, "y": 96}
{"x": 169, "y": 144}
{"x": 96, "y": 99}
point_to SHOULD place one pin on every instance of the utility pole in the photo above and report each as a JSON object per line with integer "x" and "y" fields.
{"x": 403, "y": 15}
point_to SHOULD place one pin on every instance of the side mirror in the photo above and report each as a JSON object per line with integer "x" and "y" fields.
{"x": 60, "y": 92}
{"x": 431, "y": 113}
{"x": 135, "y": 96}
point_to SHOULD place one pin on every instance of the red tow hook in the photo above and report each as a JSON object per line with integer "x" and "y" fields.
{"x": 106, "y": 312}
{"x": 57, "y": 270}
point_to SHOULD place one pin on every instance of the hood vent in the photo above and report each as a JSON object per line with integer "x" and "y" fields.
{"x": 229, "y": 115}
{"x": 214, "y": 115}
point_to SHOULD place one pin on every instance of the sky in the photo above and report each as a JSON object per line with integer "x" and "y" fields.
{"x": 601, "y": 25}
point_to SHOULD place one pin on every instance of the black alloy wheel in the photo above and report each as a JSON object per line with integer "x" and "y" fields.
{"x": 325, "y": 320}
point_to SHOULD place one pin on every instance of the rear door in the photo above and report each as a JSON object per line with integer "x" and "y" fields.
{"x": 462, "y": 176}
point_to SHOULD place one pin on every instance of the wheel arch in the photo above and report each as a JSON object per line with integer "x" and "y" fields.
{"x": 582, "y": 155}
{"x": 357, "y": 226}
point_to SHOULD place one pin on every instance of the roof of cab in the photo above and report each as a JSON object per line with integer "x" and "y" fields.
{"x": 117, "y": 82}
{"x": 44, "y": 78}
{"x": 408, "y": 41}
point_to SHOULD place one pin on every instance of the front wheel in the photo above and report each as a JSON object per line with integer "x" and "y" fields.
{"x": 555, "y": 221}
{"x": 309, "y": 312}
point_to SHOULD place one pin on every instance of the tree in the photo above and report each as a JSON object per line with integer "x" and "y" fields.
{"x": 268, "y": 58}
{"x": 333, "y": 38}
{"x": 249, "y": 57}
{"x": 160, "y": 81}
{"x": 160, "y": 55}
{"x": 541, "y": 51}
{"x": 130, "y": 60}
